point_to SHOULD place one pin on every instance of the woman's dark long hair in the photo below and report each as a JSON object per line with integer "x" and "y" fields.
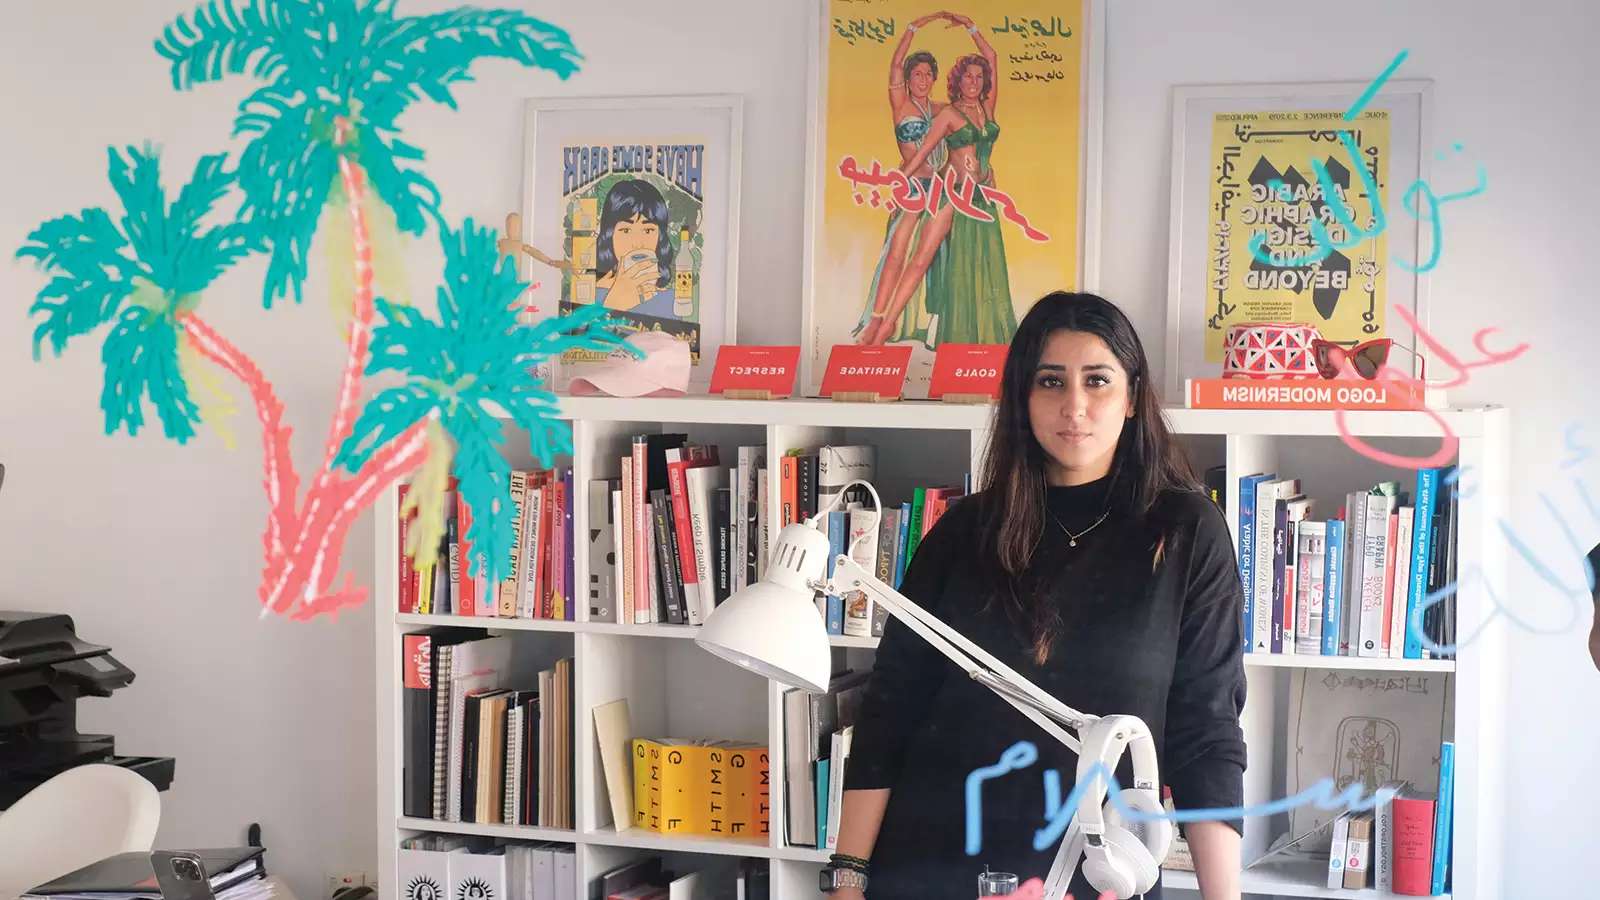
{"x": 1146, "y": 463}
{"x": 626, "y": 201}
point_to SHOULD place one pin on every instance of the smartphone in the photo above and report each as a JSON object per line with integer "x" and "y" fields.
{"x": 181, "y": 875}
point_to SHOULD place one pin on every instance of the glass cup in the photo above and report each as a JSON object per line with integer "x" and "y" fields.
{"x": 996, "y": 884}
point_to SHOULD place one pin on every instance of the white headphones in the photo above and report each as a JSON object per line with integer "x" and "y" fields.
{"x": 1118, "y": 856}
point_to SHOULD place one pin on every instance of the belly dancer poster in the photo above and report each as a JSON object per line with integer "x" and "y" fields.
{"x": 947, "y": 173}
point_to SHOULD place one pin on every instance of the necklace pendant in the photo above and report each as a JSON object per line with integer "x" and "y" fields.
{"x": 1073, "y": 542}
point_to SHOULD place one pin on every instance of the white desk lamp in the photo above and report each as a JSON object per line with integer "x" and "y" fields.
{"x": 773, "y": 629}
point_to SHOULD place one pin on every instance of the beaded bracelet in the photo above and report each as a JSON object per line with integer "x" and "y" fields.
{"x": 846, "y": 861}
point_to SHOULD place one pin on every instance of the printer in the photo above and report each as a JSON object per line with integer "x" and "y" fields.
{"x": 44, "y": 669}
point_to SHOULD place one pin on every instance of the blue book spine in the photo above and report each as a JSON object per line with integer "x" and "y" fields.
{"x": 1333, "y": 588}
{"x": 1443, "y": 814}
{"x": 1421, "y": 547}
{"x": 1247, "y": 554}
{"x": 900, "y": 544}
{"x": 822, "y": 804}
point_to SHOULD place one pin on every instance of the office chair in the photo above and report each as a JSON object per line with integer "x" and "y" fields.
{"x": 78, "y": 817}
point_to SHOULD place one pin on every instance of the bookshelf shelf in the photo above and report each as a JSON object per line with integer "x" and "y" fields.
{"x": 1353, "y": 663}
{"x": 926, "y": 443}
{"x": 1297, "y": 884}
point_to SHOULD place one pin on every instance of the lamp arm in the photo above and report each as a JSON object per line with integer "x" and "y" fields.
{"x": 1044, "y": 710}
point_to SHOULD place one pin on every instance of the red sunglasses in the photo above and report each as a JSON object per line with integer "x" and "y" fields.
{"x": 1366, "y": 357}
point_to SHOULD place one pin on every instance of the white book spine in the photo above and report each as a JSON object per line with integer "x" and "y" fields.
{"x": 629, "y": 551}
{"x": 1266, "y": 496}
{"x": 622, "y": 610}
{"x": 1402, "y": 581}
{"x": 764, "y": 514}
{"x": 1382, "y": 853}
{"x": 1376, "y": 547}
{"x": 1341, "y": 837}
{"x": 841, "y": 758}
{"x": 653, "y": 576}
{"x": 1311, "y": 540}
{"x": 702, "y": 480}
{"x": 533, "y": 534}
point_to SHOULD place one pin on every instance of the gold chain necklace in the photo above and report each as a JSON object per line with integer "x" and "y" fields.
{"x": 1072, "y": 539}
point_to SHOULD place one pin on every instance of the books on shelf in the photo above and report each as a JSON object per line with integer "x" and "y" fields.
{"x": 1350, "y": 584}
{"x": 648, "y": 879}
{"x": 712, "y": 788}
{"x": 816, "y": 752}
{"x": 476, "y": 750}
{"x": 539, "y": 571}
{"x": 433, "y": 865}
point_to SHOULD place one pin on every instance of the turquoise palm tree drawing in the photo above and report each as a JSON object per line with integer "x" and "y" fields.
{"x": 143, "y": 275}
{"x": 322, "y": 135}
{"x": 463, "y": 372}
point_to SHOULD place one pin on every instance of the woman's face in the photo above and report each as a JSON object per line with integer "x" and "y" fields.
{"x": 972, "y": 82}
{"x": 1078, "y": 402}
{"x": 637, "y": 233}
{"x": 921, "y": 80}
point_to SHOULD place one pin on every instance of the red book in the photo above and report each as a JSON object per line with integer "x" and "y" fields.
{"x": 467, "y": 584}
{"x": 1413, "y": 845}
{"x": 558, "y": 541}
{"x": 547, "y": 507}
{"x": 1388, "y": 581}
{"x": 678, "y": 487}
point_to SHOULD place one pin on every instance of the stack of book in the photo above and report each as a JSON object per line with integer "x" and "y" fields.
{"x": 539, "y": 579}
{"x": 1350, "y": 585}
{"x": 744, "y": 879}
{"x": 700, "y": 787}
{"x": 676, "y": 534}
{"x": 1399, "y": 847}
{"x": 679, "y": 532}
{"x": 816, "y": 743}
{"x": 476, "y": 749}
{"x": 445, "y": 866}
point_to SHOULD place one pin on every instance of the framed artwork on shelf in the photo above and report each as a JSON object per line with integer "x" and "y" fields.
{"x": 1286, "y": 211}
{"x": 953, "y": 171}
{"x": 633, "y": 202}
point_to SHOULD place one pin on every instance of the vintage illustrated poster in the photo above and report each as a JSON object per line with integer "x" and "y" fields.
{"x": 948, "y": 171}
{"x": 630, "y": 222}
{"x": 633, "y": 205}
{"x": 1264, "y": 186}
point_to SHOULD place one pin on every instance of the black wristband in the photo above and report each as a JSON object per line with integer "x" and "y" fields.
{"x": 846, "y": 861}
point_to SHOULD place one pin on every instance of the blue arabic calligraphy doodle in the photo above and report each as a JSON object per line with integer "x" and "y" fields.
{"x": 1435, "y": 225}
{"x": 1017, "y": 756}
{"x": 1059, "y": 812}
{"x": 1360, "y": 106}
{"x": 1321, "y": 237}
{"x": 1580, "y": 452}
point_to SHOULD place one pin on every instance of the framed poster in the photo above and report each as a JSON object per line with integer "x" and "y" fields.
{"x": 953, "y": 172}
{"x": 633, "y": 202}
{"x": 1250, "y": 209}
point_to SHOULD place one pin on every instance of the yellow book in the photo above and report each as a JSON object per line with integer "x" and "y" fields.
{"x": 684, "y": 789}
{"x": 646, "y": 779}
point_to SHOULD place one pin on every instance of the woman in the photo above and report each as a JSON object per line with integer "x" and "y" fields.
{"x": 964, "y": 259}
{"x": 1091, "y": 563}
{"x": 633, "y": 251}
{"x": 912, "y": 110}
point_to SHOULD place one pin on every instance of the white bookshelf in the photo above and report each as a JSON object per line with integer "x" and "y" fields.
{"x": 930, "y": 443}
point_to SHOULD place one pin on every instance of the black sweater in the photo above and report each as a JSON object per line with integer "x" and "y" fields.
{"x": 1162, "y": 642}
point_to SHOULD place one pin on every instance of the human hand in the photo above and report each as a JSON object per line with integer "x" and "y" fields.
{"x": 641, "y": 271}
{"x": 848, "y": 893}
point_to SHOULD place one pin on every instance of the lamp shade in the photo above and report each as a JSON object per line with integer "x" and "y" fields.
{"x": 772, "y": 627}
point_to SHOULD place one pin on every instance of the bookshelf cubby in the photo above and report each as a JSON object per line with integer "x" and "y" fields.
{"x": 676, "y": 689}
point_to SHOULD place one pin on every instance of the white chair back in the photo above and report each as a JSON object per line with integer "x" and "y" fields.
{"x": 79, "y": 817}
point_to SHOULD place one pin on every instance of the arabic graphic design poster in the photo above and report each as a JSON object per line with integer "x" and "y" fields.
{"x": 1263, "y": 181}
{"x": 947, "y": 209}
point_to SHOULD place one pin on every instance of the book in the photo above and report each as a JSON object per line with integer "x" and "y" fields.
{"x": 1358, "y": 850}
{"x": 1443, "y": 813}
{"x": 613, "y": 731}
{"x": 1400, "y": 584}
{"x": 1311, "y": 550}
{"x": 1421, "y": 550}
{"x": 1316, "y": 393}
{"x": 1383, "y": 839}
{"x": 477, "y": 667}
{"x": 1338, "y": 850}
{"x": 1412, "y": 848}
{"x": 602, "y": 551}
{"x": 1333, "y": 587}
{"x": 416, "y": 728}
{"x": 1247, "y": 552}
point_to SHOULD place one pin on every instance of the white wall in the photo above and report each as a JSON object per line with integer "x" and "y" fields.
{"x": 155, "y": 548}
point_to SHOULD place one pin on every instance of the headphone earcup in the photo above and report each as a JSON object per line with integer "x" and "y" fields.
{"x": 1106, "y": 869}
{"x": 1154, "y": 833}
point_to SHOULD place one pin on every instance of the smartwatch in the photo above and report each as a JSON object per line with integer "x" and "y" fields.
{"x": 832, "y": 879}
